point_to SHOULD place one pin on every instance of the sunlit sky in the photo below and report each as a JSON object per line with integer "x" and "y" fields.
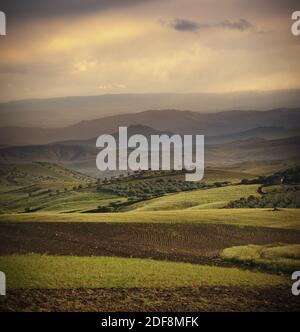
{"x": 71, "y": 47}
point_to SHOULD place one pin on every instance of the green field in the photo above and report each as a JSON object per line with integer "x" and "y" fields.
{"x": 262, "y": 167}
{"x": 280, "y": 257}
{"x": 199, "y": 199}
{"x": 145, "y": 231}
{"x": 285, "y": 218}
{"x": 22, "y": 175}
{"x": 41, "y": 271}
{"x": 78, "y": 200}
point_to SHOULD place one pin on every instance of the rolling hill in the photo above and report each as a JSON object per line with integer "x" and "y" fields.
{"x": 37, "y": 173}
{"x": 198, "y": 199}
{"x": 269, "y": 133}
{"x": 65, "y": 111}
{"x": 179, "y": 122}
{"x": 131, "y": 130}
{"x": 82, "y": 158}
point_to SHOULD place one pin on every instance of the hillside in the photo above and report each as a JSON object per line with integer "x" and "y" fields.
{"x": 49, "y": 187}
{"x": 262, "y": 167}
{"x": 269, "y": 133}
{"x": 65, "y": 111}
{"x": 260, "y": 132}
{"x": 179, "y": 122}
{"x": 253, "y": 150}
{"x": 82, "y": 158}
{"x": 198, "y": 199}
{"x": 55, "y": 153}
{"x": 37, "y": 173}
{"x": 131, "y": 130}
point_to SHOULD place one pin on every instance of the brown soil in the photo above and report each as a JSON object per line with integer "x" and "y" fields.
{"x": 137, "y": 299}
{"x": 176, "y": 242}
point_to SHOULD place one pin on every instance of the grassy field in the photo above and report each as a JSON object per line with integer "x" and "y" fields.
{"x": 78, "y": 200}
{"x": 40, "y": 271}
{"x": 284, "y": 218}
{"x": 285, "y": 258}
{"x": 20, "y": 175}
{"x": 176, "y": 243}
{"x": 41, "y": 186}
{"x": 198, "y": 199}
{"x": 262, "y": 167}
{"x": 66, "y": 200}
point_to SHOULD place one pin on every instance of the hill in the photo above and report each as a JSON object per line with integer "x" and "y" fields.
{"x": 269, "y": 133}
{"x": 48, "y": 187}
{"x": 252, "y": 150}
{"x": 179, "y": 122}
{"x": 131, "y": 130}
{"x": 65, "y": 111}
{"x": 82, "y": 158}
{"x": 54, "y": 153}
{"x": 198, "y": 199}
{"x": 37, "y": 173}
{"x": 260, "y": 132}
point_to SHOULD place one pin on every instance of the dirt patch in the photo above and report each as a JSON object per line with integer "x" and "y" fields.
{"x": 177, "y": 242}
{"x": 137, "y": 299}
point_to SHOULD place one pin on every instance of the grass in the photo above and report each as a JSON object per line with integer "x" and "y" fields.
{"x": 18, "y": 175}
{"x": 63, "y": 201}
{"x": 41, "y": 271}
{"x": 213, "y": 174}
{"x": 262, "y": 167}
{"x": 284, "y": 258}
{"x": 199, "y": 199}
{"x": 37, "y": 198}
{"x": 42, "y": 186}
{"x": 285, "y": 218}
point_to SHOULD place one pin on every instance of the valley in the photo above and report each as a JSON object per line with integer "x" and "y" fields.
{"x": 150, "y": 240}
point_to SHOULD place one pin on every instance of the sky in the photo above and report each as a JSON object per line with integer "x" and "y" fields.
{"x": 73, "y": 47}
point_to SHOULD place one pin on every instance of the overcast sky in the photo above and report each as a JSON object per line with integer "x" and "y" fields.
{"x": 74, "y": 47}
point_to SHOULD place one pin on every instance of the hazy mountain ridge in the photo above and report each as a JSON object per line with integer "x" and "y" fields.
{"x": 64, "y": 111}
{"x": 270, "y": 133}
{"x": 84, "y": 157}
{"x": 180, "y": 122}
{"x": 131, "y": 130}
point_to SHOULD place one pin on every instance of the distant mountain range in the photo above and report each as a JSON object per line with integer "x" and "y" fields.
{"x": 269, "y": 133}
{"x": 64, "y": 111}
{"x": 231, "y": 137}
{"x": 131, "y": 130}
{"x": 219, "y": 127}
{"x": 82, "y": 157}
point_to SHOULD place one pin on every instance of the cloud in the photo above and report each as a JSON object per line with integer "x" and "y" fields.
{"x": 82, "y": 66}
{"x": 184, "y": 25}
{"x": 241, "y": 25}
{"x": 192, "y": 26}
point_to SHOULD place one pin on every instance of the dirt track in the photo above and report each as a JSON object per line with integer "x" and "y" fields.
{"x": 143, "y": 299}
{"x": 176, "y": 242}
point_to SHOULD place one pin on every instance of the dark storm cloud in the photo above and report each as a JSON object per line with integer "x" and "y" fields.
{"x": 47, "y": 8}
{"x": 191, "y": 26}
